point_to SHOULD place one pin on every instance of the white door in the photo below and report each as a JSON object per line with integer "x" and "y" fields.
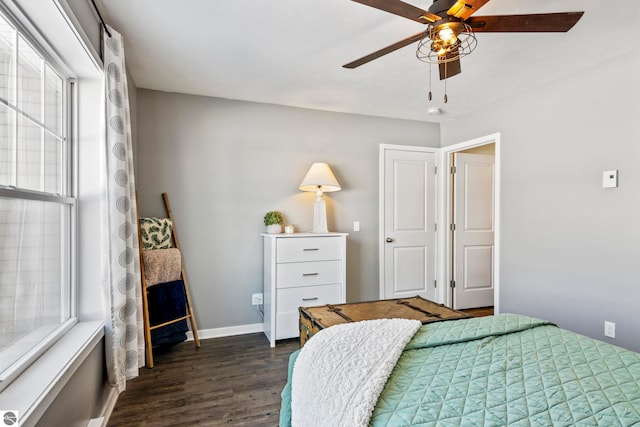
{"x": 473, "y": 235}
{"x": 408, "y": 233}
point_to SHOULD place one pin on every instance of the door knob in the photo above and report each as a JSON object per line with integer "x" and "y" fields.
{"x": 389, "y": 240}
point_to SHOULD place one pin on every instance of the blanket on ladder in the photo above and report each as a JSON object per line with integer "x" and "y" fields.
{"x": 362, "y": 355}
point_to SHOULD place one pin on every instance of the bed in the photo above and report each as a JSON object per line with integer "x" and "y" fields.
{"x": 504, "y": 370}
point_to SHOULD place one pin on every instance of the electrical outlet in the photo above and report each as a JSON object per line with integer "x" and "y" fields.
{"x": 356, "y": 225}
{"x": 609, "y": 329}
{"x": 256, "y": 299}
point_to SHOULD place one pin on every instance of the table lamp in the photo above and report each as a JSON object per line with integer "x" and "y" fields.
{"x": 319, "y": 179}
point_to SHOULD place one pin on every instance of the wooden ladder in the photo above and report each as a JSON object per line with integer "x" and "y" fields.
{"x": 145, "y": 304}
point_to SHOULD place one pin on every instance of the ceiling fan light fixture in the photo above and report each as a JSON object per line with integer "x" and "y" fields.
{"x": 446, "y": 42}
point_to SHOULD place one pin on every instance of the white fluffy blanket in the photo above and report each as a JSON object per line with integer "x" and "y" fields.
{"x": 341, "y": 371}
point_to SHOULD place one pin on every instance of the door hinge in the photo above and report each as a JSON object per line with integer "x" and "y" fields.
{"x": 435, "y": 283}
{"x": 435, "y": 227}
{"x": 435, "y": 170}
{"x": 453, "y": 169}
{"x": 452, "y": 227}
{"x": 452, "y": 283}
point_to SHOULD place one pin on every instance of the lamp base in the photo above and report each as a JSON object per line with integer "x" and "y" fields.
{"x": 319, "y": 214}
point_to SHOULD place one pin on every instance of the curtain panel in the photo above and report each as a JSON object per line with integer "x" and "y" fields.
{"x": 124, "y": 332}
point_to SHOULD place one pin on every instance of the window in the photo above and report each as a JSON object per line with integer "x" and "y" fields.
{"x": 36, "y": 210}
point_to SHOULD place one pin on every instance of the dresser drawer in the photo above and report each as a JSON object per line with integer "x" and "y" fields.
{"x": 292, "y": 298}
{"x": 289, "y": 300}
{"x": 301, "y": 249}
{"x": 297, "y": 274}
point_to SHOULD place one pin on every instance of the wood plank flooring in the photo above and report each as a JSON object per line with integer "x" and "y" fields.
{"x": 227, "y": 381}
{"x": 479, "y": 312}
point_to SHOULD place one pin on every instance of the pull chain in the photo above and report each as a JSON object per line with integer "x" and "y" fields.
{"x": 430, "y": 96}
{"x": 445, "y": 82}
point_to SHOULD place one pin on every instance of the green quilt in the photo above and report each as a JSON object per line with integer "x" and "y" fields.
{"x": 507, "y": 370}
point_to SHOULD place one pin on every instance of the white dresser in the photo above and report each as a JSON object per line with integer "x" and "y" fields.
{"x": 300, "y": 270}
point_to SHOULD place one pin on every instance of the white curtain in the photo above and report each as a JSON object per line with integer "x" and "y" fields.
{"x": 124, "y": 334}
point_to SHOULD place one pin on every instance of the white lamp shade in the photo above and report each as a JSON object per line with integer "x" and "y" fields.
{"x": 319, "y": 175}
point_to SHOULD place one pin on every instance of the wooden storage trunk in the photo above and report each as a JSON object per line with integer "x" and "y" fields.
{"x": 314, "y": 319}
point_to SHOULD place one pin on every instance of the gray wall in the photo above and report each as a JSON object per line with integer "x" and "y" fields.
{"x": 226, "y": 163}
{"x": 569, "y": 247}
{"x": 83, "y": 397}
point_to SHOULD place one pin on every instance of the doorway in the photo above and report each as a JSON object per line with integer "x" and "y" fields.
{"x": 470, "y": 209}
{"x": 422, "y": 269}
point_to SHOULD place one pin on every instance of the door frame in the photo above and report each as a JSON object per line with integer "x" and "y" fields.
{"x": 381, "y": 210}
{"x": 444, "y": 242}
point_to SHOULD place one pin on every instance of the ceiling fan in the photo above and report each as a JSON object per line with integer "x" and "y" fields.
{"x": 450, "y": 32}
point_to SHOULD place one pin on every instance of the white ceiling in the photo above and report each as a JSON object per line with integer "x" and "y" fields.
{"x": 291, "y": 52}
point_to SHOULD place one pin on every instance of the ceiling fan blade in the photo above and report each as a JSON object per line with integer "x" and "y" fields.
{"x": 403, "y": 9}
{"x": 449, "y": 69}
{"x": 384, "y": 51}
{"x": 463, "y": 9}
{"x": 541, "y": 22}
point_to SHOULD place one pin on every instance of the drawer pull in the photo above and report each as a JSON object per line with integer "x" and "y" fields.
{"x": 309, "y": 274}
{"x": 311, "y": 249}
{"x": 310, "y": 299}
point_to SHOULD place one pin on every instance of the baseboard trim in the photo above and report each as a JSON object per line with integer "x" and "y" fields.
{"x": 109, "y": 405}
{"x": 229, "y": 331}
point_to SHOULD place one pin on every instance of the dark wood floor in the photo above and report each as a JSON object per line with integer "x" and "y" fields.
{"x": 479, "y": 312}
{"x": 227, "y": 381}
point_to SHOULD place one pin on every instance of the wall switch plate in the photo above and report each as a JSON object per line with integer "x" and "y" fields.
{"x": 256, "y": 299}
{"x": 610, "y": 179}
{"x": 356, "y": 225}
{"x": 609, "y": 329}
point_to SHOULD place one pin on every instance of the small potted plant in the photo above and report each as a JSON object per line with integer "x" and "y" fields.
{"x": 273, "y": 220}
